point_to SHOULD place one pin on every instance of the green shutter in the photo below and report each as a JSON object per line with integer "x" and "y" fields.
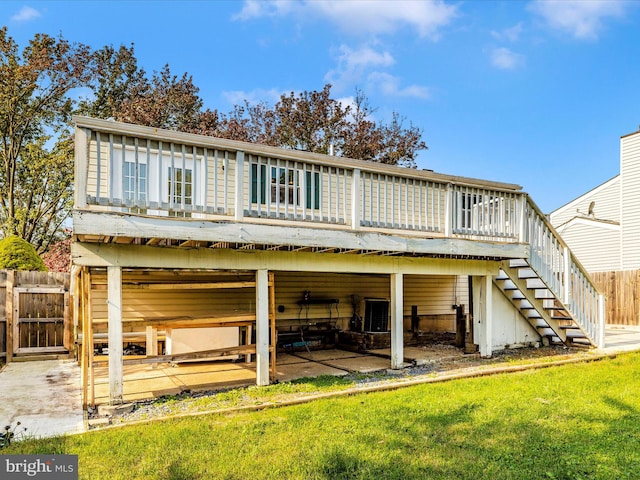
{"x": 315, "y": 186}
{"x": 254, "y": 184}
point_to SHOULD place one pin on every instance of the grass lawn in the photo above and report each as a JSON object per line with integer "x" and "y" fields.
{"x": 578, "y": 421}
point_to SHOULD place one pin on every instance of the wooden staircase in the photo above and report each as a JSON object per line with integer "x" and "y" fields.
{"x": 553, "y": 320}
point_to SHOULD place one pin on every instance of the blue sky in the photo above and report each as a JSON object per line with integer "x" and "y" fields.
{"x": 529, "y": 92}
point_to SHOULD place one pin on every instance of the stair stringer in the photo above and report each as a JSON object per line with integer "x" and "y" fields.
{"x": 529, "y": 295}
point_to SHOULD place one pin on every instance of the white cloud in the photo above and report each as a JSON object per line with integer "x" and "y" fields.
{"x": 237, "y": 97}
{"x": 264, "y": 8}
{"x": 26, "y": 14}
{"x": 506, "y": 59}
{"x": 390, "y": 85}
{"x": 511, "y": 34}
{"x": 366, "y": 65}
{"x": 353, "y": 63}
{"x": 361, "y": 16}
{"x": 582, "y": 19}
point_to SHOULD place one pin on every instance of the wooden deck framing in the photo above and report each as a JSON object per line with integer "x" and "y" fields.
{"x": 151, "y": 324}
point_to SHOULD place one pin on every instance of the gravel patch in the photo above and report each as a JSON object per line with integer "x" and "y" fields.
{"x": 188, "y": 402}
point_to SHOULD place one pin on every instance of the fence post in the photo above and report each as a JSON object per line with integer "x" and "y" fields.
{"x": 8, "y": 308}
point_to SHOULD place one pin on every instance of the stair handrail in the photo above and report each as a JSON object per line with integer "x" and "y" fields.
{"x": 552, "y": 260}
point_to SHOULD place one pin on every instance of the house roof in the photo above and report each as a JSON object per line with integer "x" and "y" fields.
{"x": 596, "y": 222}
{"x": 585, "y": 195}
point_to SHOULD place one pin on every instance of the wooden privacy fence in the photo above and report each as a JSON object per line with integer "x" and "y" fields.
{"x": 622, "y": 291}
{"x": 34, "y": 313}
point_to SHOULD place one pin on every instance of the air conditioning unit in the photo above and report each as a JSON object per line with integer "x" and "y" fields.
{"x": 375, "y": 315}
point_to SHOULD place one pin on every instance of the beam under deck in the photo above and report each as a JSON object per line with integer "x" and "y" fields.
{"x": 110, "y": 224}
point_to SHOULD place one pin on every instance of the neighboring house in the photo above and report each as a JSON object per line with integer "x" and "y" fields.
{"x": 226, "y": 248}
{"x": 602, "y": 226}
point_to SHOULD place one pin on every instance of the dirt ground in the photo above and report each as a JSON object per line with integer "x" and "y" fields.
{"x": 432, "y": 361}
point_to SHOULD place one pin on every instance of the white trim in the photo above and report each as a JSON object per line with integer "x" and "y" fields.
{"x": 122, "y": 225}
{"x": 262, "y": 327}
{"x": 114, "y": 315}
{"x": 140, "y": 256}
{"x": 591, "y": 222}
{"x": 397, "y": 321}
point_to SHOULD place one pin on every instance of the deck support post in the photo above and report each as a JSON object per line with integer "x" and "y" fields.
{"x": 397, "y": 321}
{"x": 483, "y": 311}
{"x": 114, "y": 319}
{"x": 262, "y": 327}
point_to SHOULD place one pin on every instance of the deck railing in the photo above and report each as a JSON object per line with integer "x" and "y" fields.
{"x": 138, "y": 170}
{"x": 141, "y": 170}
{"x": 562, "y": 273}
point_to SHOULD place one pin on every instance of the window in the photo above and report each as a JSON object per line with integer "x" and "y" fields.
{"x": 131, "y": 179}
{"x": 180, "y": 188}
{"x": 130, "y": 182}
{"x": 285, "y": 186}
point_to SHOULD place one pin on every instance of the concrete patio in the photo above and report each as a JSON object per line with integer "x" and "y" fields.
{"x": 45, "y": 396}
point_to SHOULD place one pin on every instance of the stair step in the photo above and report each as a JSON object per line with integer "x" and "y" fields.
{"x": 518, "y": 263}
{"x": 569, "y": 327}
{"x": 581, "y": 342}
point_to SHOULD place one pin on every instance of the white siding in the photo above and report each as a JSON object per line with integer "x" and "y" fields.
{"x": 596, "y": 245}
{"x": 630, "y": 195}
{"x": 606, "y": 198}
{"x": 434, "y": 295}
{"x": 509, "y": 326}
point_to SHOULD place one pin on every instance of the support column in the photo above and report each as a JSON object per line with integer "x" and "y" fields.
{"x": 483, "y": 311}
{"x": 152, "y": 341}
{"x": 397, "y": 321}
{"x": 262, "y": 327}
{"x": 114, "y": 317}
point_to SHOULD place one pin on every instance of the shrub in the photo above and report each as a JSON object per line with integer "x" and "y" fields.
{"x": 58, "y": 257}
{"x": 18, "y": 254}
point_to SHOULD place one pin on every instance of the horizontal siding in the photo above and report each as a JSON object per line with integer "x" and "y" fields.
{"x": 630, "y": 194}
{"x": 587, "y": 243}
{"x": 606, "y": 206}
{"x": 433, "y": 295}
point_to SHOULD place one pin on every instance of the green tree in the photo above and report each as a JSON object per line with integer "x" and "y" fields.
{"x": 18, "y": 254}
{"x": 35, "y": 106}
{"x": 121, "y": 90}
{"x": 311, "y": 120}
{"x": 314, "y": 122}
